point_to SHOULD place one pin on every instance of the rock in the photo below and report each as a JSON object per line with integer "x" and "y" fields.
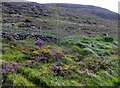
{"x": 105, "y": 34}
{"x": 10, "y": 38}
{"x": 27, "y": 21}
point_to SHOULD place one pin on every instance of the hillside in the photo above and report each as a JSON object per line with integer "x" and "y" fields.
{"x": 59, "y": 19}
{"x": 49, "y": 45}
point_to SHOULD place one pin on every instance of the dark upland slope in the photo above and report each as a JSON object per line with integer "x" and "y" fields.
{"x": 59, "y": 20}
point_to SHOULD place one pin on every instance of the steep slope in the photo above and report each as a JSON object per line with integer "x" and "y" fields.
{"x": 45, "y": 45}
{"x": 104, "y": 13}
{"x": 58, "y": 20}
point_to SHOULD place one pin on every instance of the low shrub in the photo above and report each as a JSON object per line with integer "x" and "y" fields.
{"x": 81, "y": 45}
{"x": 108, "y": 39}
{"x": 87, "y": 51}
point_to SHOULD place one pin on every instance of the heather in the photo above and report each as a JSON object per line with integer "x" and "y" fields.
{"x": 82, "y": 62}
{"x": 57, "y": 45}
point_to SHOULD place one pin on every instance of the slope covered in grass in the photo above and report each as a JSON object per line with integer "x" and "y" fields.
{"x": 73, "y": 61}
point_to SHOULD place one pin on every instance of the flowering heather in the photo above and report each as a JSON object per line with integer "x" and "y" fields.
{"x": 80, "y": 57}
{"x": 5, "y": 64}
{"x": 40, "y": 43}
{"x": 58, "y": 51}
{"x": 82, "y": 63}
{"x": 86, "y": 71}
{"x": 54, "y": 51}
{"x": 58, "y": 54}
{"x": 15, "y": 65}
{"x": 57, "y": 69}
{"x": 29, "y": 63}
{"x": 9, "y": 68}
{"x": 40, "y": 58}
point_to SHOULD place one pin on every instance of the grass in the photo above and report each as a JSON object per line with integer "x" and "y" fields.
{"x": 93, "y": 51}
{"x": 19, "y": 80}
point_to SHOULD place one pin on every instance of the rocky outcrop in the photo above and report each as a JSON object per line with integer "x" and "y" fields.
{"x": 20, "y": 36}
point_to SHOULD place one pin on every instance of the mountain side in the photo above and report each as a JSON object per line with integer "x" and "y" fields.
{"x": 58, "y": 19}
{"x": 45, "y": 45}
{"x": 102, "y": 12}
